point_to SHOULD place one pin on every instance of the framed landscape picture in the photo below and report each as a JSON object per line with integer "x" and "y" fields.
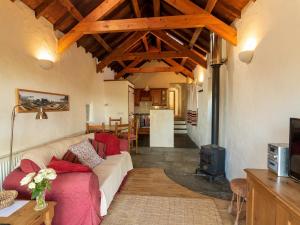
{"x": 31, "y": 101}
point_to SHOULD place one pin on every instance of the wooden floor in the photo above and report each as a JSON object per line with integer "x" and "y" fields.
{"x": 154, "y": 182}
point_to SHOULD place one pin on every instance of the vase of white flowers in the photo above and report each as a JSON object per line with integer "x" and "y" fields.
{"x": 38, "y": 184}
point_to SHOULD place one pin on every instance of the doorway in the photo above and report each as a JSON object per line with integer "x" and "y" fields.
{"x": 172, "y": 101}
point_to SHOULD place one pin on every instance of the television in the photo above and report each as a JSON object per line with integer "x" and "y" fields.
{"x": 294, "y": 149}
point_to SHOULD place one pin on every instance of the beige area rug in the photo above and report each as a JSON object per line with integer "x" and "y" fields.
{"x": 156, "y": 210}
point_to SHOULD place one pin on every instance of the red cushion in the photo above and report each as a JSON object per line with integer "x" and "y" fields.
{"x": 62, "y": 166}
{"x": 111, "y": 141}
{"x": 124, "y": 145}
{"x": 71, "y": 157}
{"x": 28, "y": 166}
{"x": 99, "y": 147}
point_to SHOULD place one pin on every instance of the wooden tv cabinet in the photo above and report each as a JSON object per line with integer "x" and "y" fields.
{"x": 272, "y": 200}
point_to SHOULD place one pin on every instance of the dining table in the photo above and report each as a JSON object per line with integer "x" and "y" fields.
{"x": 107, "y": 127}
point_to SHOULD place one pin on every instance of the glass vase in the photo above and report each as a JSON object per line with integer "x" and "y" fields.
{"x": 40, "y": 201}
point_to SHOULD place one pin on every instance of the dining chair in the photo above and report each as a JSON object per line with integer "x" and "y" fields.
{"x": 92, "y": 128}
{"x": 131, "y": 134}
{"x": 111, "y": 121}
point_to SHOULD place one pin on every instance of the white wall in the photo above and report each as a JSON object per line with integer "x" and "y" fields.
{"x": 201, "y": 133}
{"x": 22, "y": 39}
{"x": 259, "y": 98}
{"x": 116, "y": 99}
{"x": 156, "y": 80}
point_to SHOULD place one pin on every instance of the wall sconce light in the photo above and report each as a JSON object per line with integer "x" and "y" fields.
{"x": 45, "y": 64}
{"x": 45, "y": 60}
{"x": 247, "y": 54}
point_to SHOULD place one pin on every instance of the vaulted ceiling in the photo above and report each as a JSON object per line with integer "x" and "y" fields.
{"x": 124, "y": 34}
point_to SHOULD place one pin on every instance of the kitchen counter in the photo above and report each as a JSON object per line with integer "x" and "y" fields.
{"x": 161, "y": 128}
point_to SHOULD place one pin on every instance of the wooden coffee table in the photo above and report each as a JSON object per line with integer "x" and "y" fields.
{"x": 27, "y": 215}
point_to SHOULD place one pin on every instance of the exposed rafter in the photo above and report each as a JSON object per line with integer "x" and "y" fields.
{"x": 131, "y": 65}
{"x": 40, "y": 10}
{"x": 185, "y": 71}
{"x": 216, "y": 25}
{"x": 137, "y": 36}
{"x": 156, "y": 8}
{"x": 209, "y": 7}
{"x": 138, "y": 14}
{"x": 197, "y": 58}
{"x": 98, "y": 13}
{"x": 77, "y": 15}
{"x": 119, "y": 19}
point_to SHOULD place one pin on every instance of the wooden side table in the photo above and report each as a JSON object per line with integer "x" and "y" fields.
{"x": 27, "y": 215}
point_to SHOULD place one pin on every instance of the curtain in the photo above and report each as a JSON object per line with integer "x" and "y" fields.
{"x": 192, "y": 111}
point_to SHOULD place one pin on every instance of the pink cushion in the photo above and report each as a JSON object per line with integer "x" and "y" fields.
{"x": 62, "y": 166}
{"x": 124, "y": 145}
{"x": 28, "y": 166}
{"x": 111, "y": 141}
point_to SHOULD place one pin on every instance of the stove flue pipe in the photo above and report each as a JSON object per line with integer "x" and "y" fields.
{"x": 215, "y": 63}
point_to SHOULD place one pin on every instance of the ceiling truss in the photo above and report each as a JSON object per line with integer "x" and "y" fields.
{"x": 125, "y": 34}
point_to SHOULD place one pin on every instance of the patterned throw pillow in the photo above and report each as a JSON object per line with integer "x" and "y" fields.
{"x": 71, "y": 157}
{"x": 86, "y": 154}
{"x": 99, "y": 148}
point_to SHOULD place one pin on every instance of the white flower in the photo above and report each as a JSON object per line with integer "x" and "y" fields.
{"x": 51, "y": 176}
{"x": 31, "y": 185}
{"x": 27, "y": 179}
{"x": 38, "y": 178}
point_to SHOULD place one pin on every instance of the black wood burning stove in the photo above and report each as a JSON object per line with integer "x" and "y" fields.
{"x": 212, "y": 157}
{"x": 212, "y": 161}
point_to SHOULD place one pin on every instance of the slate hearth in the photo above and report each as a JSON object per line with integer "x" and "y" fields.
{"x": 179, "y": 165}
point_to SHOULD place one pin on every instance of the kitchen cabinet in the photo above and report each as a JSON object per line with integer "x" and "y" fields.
{"x": 158, "y": 96}
{"x": 137, "y": 97}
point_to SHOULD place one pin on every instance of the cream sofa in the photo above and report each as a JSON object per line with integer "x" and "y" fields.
{"x": 110, "y": 173}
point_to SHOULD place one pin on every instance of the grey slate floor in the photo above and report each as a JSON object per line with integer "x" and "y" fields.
{"x": 180, "y": 164}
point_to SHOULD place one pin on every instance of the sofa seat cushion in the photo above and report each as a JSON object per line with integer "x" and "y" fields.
{"x": 77, "y": 196}
{"x": 111, "y": 173}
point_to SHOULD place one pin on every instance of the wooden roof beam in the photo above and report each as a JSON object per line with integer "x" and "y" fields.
{"x": 137, "y": 12}
{"x": 185, "y": 71}
{"x": 156, "y": 7}
{"x": 196, "y": 58}
{"x": 99, "y": 12}
{"x": 136, "y": 8}
{"x": 219, "y": 27}
{"x": 176, "y": 69}
{"x": 131, "y": 65}
{"x": 150, "y": 55}
{"x": 156, "y": 23}
{"x": 209, "y": 8}
{"x": 125, "y": 46}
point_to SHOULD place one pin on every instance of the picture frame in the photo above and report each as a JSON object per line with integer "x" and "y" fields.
{"x": 30, "y": 101}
